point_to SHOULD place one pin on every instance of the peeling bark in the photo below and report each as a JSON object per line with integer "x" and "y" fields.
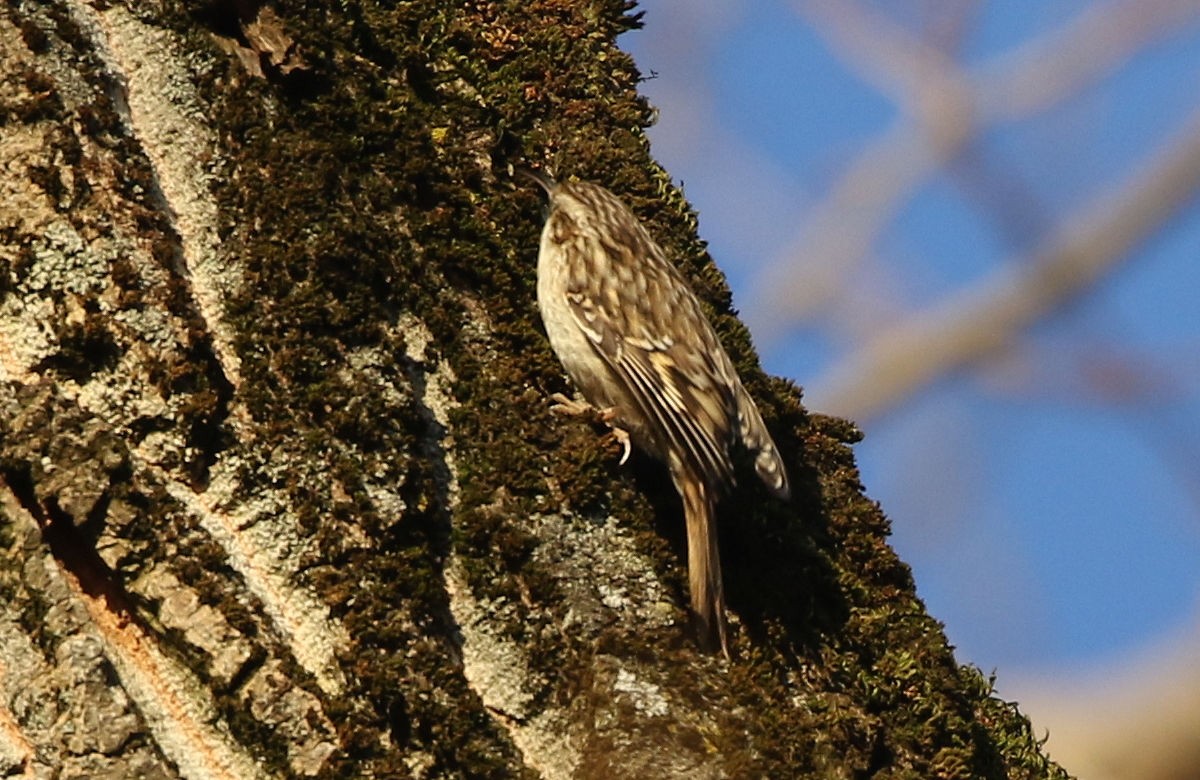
{"x": 279, "y": 492}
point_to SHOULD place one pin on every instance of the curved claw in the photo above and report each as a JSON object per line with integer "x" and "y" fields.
{"x": 571, "y": 407}
{"x": 623, "y": 437}
{"x": 620, "y": 434}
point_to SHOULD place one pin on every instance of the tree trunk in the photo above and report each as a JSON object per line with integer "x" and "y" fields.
{"x": 280, "y": 494}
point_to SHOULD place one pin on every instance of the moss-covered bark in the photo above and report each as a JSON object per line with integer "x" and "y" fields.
{"x": 274, "y": 443}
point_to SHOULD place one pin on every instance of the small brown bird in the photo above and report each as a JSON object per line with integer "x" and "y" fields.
{"x": 633, "y": 338}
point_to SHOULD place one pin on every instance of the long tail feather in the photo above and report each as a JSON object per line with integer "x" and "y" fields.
{"x": 704, "y": 561}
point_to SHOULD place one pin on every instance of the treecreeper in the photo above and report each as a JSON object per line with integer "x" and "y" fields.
{"x": 634, "y": 340}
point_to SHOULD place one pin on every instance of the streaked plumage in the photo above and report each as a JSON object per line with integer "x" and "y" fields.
{"x": 633, "y": 338}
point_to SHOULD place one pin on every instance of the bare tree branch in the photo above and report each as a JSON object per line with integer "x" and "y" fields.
{"x": 942, "y": 110}
{"x": 982, "y": 318}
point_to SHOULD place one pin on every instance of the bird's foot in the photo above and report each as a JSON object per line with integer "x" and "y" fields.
{"x": 569, "y": 406}
{"x": 573, "y": 408}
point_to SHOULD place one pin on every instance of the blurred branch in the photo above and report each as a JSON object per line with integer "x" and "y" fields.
{"x": 840, "y": 231}
{"x": 942, "y": 109}
{"x": 982, "y": 318}
{"x": 1137, "y": 718}
{"x": 1036, "y": 76}
{"x": 946, "y": 24}
{"x": 881, "y": 52}
{"x": 1003, "y": 197}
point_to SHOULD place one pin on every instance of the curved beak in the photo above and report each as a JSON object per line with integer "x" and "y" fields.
{"x": 544, "y": 181}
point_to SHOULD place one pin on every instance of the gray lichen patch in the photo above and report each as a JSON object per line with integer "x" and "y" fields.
{"x": 162, "y": 111}
{"x": 263, "y": 542}
{"x": 62, "y": 262}
{"x": 603, "y": 576}
{"x": 640, "y": 725}
{"x": 496, "y": 667}
{"x": 500, "y": 671}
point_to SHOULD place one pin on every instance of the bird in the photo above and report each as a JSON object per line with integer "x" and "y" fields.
{"x": 634, "y": 340}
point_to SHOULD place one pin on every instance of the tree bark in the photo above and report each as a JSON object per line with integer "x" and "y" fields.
{"x": 280, "y": 495}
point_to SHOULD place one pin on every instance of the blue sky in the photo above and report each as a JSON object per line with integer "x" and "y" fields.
{"x": 1047, "y": 500}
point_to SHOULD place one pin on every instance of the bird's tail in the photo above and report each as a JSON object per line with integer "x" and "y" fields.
{"x": 704, "y": 561}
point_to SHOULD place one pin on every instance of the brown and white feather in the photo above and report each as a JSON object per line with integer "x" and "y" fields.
{"x": 633, "y": 338}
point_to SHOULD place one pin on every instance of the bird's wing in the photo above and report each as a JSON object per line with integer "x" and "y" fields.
{"x": 656, "y": 340}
